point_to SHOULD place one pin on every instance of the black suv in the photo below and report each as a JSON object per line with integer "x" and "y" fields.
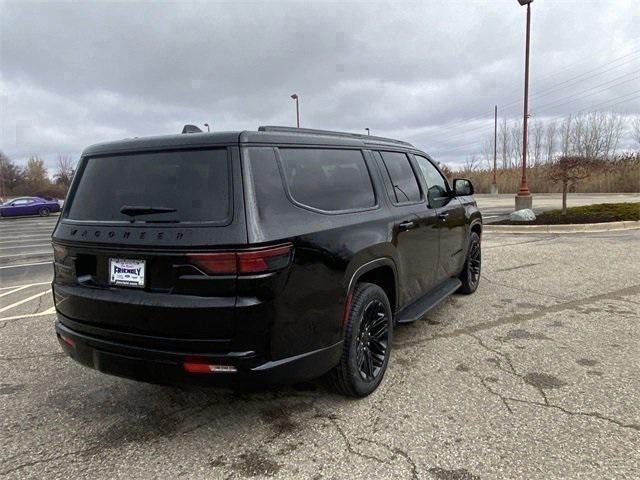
{"x": 265, "y": 256}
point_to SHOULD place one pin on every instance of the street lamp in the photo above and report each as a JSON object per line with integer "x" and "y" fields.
{"x": 523, "y": 197}
{"x": 368, "y": 131}
{"x": 295, "y": 97}
{"x": 207, "y": 125}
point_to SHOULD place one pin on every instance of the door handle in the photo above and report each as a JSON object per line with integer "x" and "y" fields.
{"x": 406, "y": 225}
{"x": 443, "y": 216}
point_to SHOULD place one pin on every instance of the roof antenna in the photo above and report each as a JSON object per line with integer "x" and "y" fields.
{"x": 191, "y": 129}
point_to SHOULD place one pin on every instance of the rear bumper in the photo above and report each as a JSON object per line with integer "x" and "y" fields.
{"x": 166, "y": 367}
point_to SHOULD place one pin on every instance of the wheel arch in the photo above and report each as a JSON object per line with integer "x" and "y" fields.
{"x": 381, "y": 272}
{"x": 476, "y": 226}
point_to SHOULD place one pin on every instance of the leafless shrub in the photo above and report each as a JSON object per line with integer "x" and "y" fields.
{"x": 569, "y": 170}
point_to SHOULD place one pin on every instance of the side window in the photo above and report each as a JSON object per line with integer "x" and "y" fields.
{"x": 402, "y": 176}
{"x": 436, "y": 184}
{"x": 24, "y": 201}
{"x": 331, "y": 180}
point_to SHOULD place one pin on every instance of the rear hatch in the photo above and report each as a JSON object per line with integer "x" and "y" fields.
{"x": 130, "y": 245}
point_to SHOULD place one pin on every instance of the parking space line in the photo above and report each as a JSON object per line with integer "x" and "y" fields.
{"x": 24, "y": 300}
{"x": 31, "y": 231}
{"x": 26, "y": 285}
{"x": 26, "y": 246}
{"x": 48, "y": 311}
{"x": 47, "y": 252}
{"x": 17, "y": 289}
{"x": 26, "y": 265}
{"x": 35, "y": 239}
{"x": 35, "y": 235}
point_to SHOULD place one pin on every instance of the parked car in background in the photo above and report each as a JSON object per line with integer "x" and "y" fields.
{"x": 29, "y": 206}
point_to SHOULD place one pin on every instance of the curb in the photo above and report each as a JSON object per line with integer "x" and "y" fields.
{"x": 571, "y": 228}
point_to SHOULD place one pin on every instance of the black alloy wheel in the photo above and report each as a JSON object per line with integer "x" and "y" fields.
{"x": 367, "y": 343}
{"x": 372, "y": 341}
{"x": 470, "y": 275}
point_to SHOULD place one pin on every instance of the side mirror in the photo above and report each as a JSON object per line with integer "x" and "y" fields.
{"x": 462, "y": 187}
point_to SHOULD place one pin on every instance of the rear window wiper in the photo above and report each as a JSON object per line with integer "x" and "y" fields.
{"x": 134, "y": 210}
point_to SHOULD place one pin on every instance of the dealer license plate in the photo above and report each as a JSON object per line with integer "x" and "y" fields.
{"x": 126, "y": 272}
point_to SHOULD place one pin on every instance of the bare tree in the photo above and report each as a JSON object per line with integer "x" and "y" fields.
{"x": 550, "y": 133}
{"x": 487, "y": 153}
{"x": 65, "y": 171}
{"x": 635, "y": 131}
{"x": 565, "y": 136}
{"x": 569, "y": 170}
{"x": 504, "y": 143}
{"x": 471, "y": 163}
{"x": 534, "y": 147}
{"x": 516, "y": 143}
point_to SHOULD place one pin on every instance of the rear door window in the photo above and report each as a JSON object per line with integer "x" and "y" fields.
{"x": 330, "y": 180}
{"x": 194, "y": 183}
{"x": 403, "y": 178}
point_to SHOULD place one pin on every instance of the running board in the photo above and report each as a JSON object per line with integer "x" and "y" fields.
{"x": 417, "y": 309}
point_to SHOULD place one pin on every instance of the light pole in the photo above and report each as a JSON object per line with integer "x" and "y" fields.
{"x": 207, "y": 125}
{"x": 295, "y": 97}
{"x": 523, "y": 197}
{"x": 368, "y": 131}
{"x": 494, "y": 184}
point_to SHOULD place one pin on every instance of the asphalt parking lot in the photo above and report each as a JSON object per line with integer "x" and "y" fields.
{"x": 534, "y": 376}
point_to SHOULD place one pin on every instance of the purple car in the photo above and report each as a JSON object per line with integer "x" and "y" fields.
{"x": 29, "y": 206}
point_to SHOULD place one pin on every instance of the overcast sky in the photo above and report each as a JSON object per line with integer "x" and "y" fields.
{"x": 77, "y": 73}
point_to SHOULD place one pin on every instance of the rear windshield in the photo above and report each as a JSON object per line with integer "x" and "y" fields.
{"x": 194, "y": 183}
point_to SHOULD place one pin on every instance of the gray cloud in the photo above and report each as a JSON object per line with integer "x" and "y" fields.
{"x": 76, "y": 73}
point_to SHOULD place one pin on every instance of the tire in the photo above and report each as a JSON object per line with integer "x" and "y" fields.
{"x": 44, "y": 212}
{"x": 367, "y": 343}
{"x": 470, "y": 275}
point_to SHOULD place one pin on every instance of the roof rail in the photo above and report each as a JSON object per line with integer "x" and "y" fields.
{"x": 329, "y": 133}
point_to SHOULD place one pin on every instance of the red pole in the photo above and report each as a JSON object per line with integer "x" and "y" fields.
{"x": 523, "y": 198}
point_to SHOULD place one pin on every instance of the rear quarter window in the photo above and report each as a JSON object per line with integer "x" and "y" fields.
{"x": 330, "y": 180}
{"x": 196, "y": 183}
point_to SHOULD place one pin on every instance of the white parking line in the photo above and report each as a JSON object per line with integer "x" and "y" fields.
{"x": 26, "y": 265}
{"x": 46, "y": 252}
{"x": 31, "y": 231}
{"x": 32, "y": 235}
{"x": 37, "y": 238}
{"x": 26, "y": 246}
{"x": 25, "y": 285}
{"x": 48, "y": 311}
{"x": 24, "y": 300}
{"x": 17, "y": 289}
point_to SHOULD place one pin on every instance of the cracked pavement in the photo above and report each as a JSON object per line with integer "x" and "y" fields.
{"x": 535, "y": 376}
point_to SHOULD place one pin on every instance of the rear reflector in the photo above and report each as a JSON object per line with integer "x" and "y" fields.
{"x": 260, "y": 260}
{"x": 199, "y": 367}
{"x": 67, "y": 340}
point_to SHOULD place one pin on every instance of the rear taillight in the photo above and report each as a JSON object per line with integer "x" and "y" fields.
{"x": 215, "y": 263}
{"x": 264, "y": 260}
{"x": 261, "y": 260}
